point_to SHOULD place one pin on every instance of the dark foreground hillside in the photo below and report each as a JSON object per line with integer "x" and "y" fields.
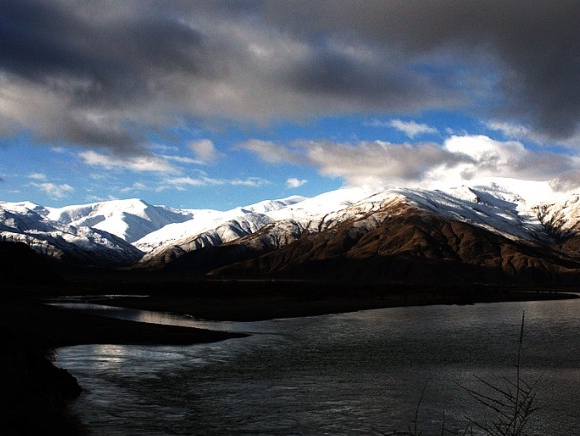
{"x": 19, "y": 264}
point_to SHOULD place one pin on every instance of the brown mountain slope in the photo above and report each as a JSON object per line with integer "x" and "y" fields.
{"x": 414, "y": 246}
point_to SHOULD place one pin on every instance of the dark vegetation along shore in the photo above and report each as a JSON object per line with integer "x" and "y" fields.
{"x": 35, "y": 394}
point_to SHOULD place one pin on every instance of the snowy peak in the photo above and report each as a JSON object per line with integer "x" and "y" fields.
{"x": 561, "y": 218}
{"x": 267, "y": 206}
{"x": 25, "y": 216}
{"x": 128, "y": 219}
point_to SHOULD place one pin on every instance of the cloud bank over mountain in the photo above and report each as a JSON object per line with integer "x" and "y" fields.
{"x": 458, "y": 160}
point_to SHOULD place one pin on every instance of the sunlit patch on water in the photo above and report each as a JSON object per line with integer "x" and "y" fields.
{"x": 152, "y": 317}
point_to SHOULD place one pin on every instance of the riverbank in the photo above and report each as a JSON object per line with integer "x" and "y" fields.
{"x": 24, "y": 311}
{"x": 253, "y": 300}
{"x": 55, "y": 327}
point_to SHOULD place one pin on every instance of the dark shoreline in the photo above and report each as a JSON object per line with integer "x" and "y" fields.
{"x": 23, "y": 309}
{"x": 256, "y": 300}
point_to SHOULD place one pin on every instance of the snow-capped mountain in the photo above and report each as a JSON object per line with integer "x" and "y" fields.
{"x": 30, "y": 223}
{"x": 210, "y": 228}
{"x": 99, "y": 233}
{"x": 502, "y": 225}
{"x": 128, "y": 219}
{"x": 213, "y": 227}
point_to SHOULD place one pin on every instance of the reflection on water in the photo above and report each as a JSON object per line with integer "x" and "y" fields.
{"x": 349, "y": 374}
{"x": 150, "y": 317}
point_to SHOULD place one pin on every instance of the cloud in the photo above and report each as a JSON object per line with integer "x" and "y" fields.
{"x": 142, "y": 163}
{"x": 137, "y": 186}
{"x": 458, "y": 159}
{"x": 37, "y": 176}
{"x": 252, "y": 182}
{"x": 411, "y": 128}
{"x": 204, "y": 151}
{"x": 381, "y": 163}
{"x": 366, "y": 162}
{"x": 293, "y": 183}
{"x": 202, "y": 179}
{"x": 181, "y": 183}
{"x": 519, "y": 56}
{"x": 96, "y": 76}
{"x": 271, "y": 152}
{"x": 181, "y": 159}
{"x": 507, "y": 159}
{"x": 508, "y": 129}
{"x": 54, "y": 190}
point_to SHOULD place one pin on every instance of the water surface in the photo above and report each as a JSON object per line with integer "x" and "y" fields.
{"x": 360, "y": 373}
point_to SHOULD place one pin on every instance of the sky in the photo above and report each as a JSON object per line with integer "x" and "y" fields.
{"x": 218, "y": 104}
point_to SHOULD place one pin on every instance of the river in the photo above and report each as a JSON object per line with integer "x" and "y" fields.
{"x": 362, "y": 373}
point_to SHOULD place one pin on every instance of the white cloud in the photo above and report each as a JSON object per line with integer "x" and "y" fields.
{"x": 270, "y": 152}
{"x": 505, "y": 159}
{"x": 182, "y": 159}
{"x": 508, "y": 129}
{"x": 98, "y": 198}
{"x": 254, "y": 182}
{"x": 141, "y": 163}
{"x": 293, "y": 183}
{"x": 411, "y": 128}
{"x": 163, "y": 148}
{"x": 204, "y": 151}
{"x": 37, "y": 176}
{"x": 137, "y": 186}
{"x": 181, "y": 183}
{"x": 380, "y": 163}
{"x": 522, "y": 133}
{"x": 54, "y": 190}
{"x": 458, "y": 159}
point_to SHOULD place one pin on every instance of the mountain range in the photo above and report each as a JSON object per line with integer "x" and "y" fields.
{"x": 490, "y": 230}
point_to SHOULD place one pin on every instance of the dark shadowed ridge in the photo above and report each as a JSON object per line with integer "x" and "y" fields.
{"x": 20, "y": 265}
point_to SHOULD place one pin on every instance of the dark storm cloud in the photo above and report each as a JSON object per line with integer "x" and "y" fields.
{"x": 104, "y": 73}
{"x": 533, "y": 46}
{"x": 40, "y": 39}
{"x": 100, "y": 67}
